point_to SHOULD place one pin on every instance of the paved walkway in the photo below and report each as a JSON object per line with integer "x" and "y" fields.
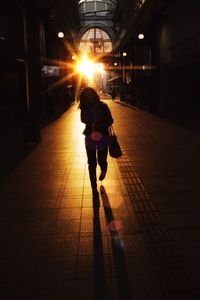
{"x": 142, "y": 243}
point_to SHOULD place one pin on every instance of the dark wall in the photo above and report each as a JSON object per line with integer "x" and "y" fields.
{"x": 180, "y": 56}
{"x": 12, "y": 66}
{"x": 28, "y": 41}
{"x": 172, "y": 46}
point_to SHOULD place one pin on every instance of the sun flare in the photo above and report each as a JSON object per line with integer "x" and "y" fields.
{"x": 78, "y": 71}
{"x": 86, "y": 68}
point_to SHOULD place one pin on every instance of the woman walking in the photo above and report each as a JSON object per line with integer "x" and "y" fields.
{"x": 97, "y": 117}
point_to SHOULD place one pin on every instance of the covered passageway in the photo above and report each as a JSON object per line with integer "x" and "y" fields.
{"x": 137, "y": 236}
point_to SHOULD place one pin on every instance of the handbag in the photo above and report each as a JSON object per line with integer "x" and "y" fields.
{"x": 114, "y": 146}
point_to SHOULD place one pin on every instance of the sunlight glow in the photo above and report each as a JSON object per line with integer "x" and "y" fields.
{"x": 89, "y": 69}
{"x": 99, "y": 68}
{"x": 86, "y": 67}
{"x": 80, "y": 71}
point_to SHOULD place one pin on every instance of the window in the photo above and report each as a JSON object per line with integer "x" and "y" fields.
{"x": 95, "y": 40}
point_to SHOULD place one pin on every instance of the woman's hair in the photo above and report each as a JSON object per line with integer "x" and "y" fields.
{"x": 88, "y": 98}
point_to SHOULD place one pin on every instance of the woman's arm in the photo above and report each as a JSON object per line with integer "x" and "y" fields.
{"x": 108, "y": 118}
{"x": 85, "y": 117}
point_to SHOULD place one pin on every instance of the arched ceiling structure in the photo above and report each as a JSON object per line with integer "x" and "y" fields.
{"x": 95, "y": 40}
{"x": 75, "y": 17}
{"x": 97, "y": 26}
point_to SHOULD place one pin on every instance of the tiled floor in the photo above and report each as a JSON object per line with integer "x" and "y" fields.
{"x": 141, "y": 243}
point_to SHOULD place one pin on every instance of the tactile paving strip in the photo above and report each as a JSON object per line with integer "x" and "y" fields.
{"x": 175, "y": 278}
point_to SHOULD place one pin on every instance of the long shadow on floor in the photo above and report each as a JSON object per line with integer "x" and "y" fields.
{"x": 100, "y": 289}
{"x": 117, "y": 248}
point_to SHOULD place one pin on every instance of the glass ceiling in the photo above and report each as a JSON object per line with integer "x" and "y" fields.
{"x": 108, "y": 1}
{"x": 98, "y": 8}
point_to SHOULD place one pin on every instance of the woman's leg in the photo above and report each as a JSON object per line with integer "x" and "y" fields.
{"x": 102, "y": 161}
{"x": 92, "y": 164}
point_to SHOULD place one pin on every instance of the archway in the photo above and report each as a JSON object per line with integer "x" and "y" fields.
{"x": 95, "y": 40}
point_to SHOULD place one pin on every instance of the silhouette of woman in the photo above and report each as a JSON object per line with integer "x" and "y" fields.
{"x": 97, "y": 117}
